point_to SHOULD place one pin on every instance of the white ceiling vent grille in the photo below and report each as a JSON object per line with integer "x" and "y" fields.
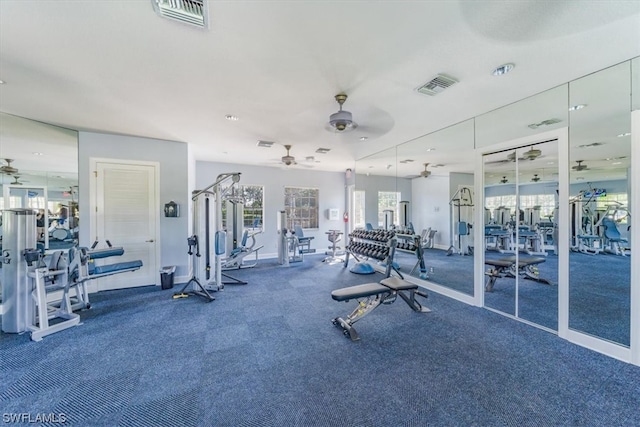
{"x": 437, "y": 85}
{"x": 192, "y": 12}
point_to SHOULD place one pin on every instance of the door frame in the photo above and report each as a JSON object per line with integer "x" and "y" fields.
{"x": 93, "y": 204}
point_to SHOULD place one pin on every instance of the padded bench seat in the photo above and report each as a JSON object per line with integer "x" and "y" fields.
{"x": 105, "y": 253}
{"x": 397, "y": 284}
{"x": 506, "y": 267}
{"x": 358, "y": 291}
{"x": 384, "y": 292}
{"x": 509, "y": 261}
{"x": 115, "y": 268}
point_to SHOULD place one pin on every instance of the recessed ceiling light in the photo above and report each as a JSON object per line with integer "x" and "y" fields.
{"x": 624, "y": 134}
{"x": 36, "y": 153}
{"x": 231, "y": 117}
{"x": 323, "y": 150}
{"x": 580, "y": 178}
{"x": 265, "y": 144}
{"x": 616, "y": 163}
{"x": 503, "y": 69}
{"x": 364, "y": 138}
{"x": 406, "y": 161}
{"x": 577, "y": 107}
{"x": 431, "y": 149}
{"x": 2, "y": 82}
{"x": 550, "y": 163}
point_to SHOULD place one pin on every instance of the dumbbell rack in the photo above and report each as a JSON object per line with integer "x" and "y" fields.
{"x": 372, "y": 244}
{"x": 412, "y": 243}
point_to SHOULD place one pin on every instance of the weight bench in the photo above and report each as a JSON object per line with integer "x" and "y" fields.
{"x": 506, "y": 267}
{"x": 370, "y": 296}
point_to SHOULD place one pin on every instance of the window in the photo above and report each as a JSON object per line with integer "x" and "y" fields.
{"x": 388, "y": 200}
{"x": 358, "y": 209}
{"x": 253, "y": 203}
{"x": 301, "y": 207}
{"x": 547, "y": 203}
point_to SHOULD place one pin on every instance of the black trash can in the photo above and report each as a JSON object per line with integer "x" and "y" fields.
{"x": 166, "y": 276}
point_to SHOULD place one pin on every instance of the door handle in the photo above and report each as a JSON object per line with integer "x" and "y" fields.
{"x": 150, "y": 241}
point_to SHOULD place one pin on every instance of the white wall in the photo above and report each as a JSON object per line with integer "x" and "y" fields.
{"x": 430, "y": 207}
{"x": 173, "y": 185}
{"x": 331, "y": 186}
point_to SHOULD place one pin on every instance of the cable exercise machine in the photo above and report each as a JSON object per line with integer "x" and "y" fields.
{"x": 207, "y": 210}
{"x": 240, "y": 242}
{"x": 461, "y": 215}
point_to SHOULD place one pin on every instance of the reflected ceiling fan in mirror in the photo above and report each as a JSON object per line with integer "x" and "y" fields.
{"x": 531, "y": 154}
{"x": 535, "y": 178}
{"x": 8, "y": 169}
{"x": 580, "y": 167}
{"x": 504, "y": 180}
{"x": 16, "y": 180}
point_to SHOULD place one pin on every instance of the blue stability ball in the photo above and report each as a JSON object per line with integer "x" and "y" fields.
{"x": 362, "y": 268}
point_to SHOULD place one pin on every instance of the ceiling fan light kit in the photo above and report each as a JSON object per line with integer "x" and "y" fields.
{"x": 342, "y": 120}
{"x": 288, "y": 159}
{"x": 8, "y": 169}
{"x": 425, "y": 173}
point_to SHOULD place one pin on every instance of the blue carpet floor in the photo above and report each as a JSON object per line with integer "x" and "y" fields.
{"x": 266, "y": 354}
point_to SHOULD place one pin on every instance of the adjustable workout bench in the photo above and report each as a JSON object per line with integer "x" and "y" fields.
{"x": 372, "y": 295}
{"x": 506, "y": 267}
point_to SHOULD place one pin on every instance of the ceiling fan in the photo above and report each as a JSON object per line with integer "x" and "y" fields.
{"x": 504, "y": 180}
{"x": 535, "y": 178}
{"x": 580, "y": 167}
{"x": 15, "y": 180}
{"x": 342, "y": 120}
{"x": 8, "y": 169}
{"x": 288, "y": 159}
{"x": 425, "y": 173}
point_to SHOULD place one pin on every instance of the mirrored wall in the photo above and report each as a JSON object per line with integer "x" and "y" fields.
{"x": 521, "y": 232}
{"x": 40, "y": 171}
{"x": 565, "y": 151}
{"x": 600, "y": 218}
{"x": 439, "y": 167}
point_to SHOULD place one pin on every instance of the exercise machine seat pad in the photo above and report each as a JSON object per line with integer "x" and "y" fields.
{"x": 507, "y": 262}
{"x": 105, "y": 253}
{"x": 113, "y": 268}
{"x": 358, "y": 291}
{"x": 397, "y": 284}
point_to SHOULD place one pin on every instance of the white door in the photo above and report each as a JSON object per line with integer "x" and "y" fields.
{"x": 126, "y": 214}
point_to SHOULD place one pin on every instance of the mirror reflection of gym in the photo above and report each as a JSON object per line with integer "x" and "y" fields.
{"x": 600, "y": 220}
{"x": 499, "y": 213}
{"x": 40, "y": 171}
{"x": 520, "y": 232}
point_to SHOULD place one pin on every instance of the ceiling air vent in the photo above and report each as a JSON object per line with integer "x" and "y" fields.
{"x": 437, "y": 85}
{"x": 192, "y": 12}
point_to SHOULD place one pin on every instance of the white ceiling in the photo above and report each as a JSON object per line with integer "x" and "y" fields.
{"x": 116, "y": 66}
